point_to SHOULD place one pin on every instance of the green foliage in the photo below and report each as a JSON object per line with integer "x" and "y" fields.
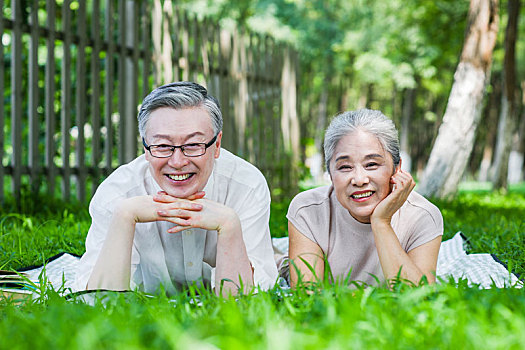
{"x": 437, "y": 316}
{"x": 443, "y": 316}
{"x": 493, "y": 222}
{"x": 41, "y": 228}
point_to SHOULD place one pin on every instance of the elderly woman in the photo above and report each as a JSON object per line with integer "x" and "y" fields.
{"x": 369, "y": 225}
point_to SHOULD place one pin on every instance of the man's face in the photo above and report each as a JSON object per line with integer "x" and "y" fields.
{"x": 361, "y": 171}
{"x": 179, "y": 175}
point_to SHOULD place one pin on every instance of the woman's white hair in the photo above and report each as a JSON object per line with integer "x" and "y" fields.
{"x": 371, "y": 121}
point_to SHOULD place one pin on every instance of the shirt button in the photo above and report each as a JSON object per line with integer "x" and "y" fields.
{"x": 188, "y": 232}
{"x": 190, "y": 264}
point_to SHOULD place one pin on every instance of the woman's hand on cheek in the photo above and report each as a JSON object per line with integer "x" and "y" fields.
{"x": 402, "y": 184}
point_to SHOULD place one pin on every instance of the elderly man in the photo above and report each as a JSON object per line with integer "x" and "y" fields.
{"x": 185, "y": 212}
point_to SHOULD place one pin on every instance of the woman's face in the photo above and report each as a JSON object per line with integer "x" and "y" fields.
{"x": 361, "y": 171}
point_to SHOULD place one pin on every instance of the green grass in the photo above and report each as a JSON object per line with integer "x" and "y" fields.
{"x": 442, "y": 316}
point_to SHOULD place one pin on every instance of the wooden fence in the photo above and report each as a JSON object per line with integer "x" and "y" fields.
{"x": 73, "y": 74}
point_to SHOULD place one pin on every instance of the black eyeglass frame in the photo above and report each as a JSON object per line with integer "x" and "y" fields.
{"x": 173, "y": 148}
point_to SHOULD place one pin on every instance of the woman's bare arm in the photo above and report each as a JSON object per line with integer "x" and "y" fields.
{"x": 420, "y": 261}
{"x": 302, "y": 248}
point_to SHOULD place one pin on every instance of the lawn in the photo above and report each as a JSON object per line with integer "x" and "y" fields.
{"x": 441, "y": 316}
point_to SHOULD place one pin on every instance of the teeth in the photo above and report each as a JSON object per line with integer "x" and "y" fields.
{"x": 179, "y": 177}
{"x": 362, "y": 195}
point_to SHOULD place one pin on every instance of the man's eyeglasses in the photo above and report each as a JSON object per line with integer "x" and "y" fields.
{"x": 189, "y": 149}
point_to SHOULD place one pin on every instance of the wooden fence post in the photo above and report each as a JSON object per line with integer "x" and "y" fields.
{"x": 243, "y": 71}
{"x": 109, "y": 85}
{"x": 16, "y": 97}
{"x": 34, "y": 125}
{"x": 80, "y": 103}
{"x": 50, "y": 114}
{"x": 95, "y": 100}
{"x": 66, "y": 99}
{"x": 224, "y": 59}
{"x": 2, "y": 109}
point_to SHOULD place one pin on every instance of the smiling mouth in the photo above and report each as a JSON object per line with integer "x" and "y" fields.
{"x": 362, "y": 195}
{"x": 181, "y": 177}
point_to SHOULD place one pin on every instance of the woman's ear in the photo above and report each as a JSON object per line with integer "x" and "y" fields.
{"x": 398, "y": 167}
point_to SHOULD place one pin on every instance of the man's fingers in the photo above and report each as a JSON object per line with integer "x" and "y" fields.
{"x": 197, "y": 195}
{"x": 163, "y": 197}
{"x": 175, "y": 213}
{"x": 179, "y": 204}
{"x": 181, "y": 225}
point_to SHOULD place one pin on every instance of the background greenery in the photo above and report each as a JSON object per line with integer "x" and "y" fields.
{"x": 352, "y": 54}
{"x": 441, "y": 316}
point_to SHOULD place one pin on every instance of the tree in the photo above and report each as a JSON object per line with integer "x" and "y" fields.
{"x": 509, "y": 112}
{"x": 453, "y": 145}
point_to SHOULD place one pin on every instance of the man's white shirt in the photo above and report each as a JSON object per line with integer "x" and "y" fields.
{"x": 173, "y": 260}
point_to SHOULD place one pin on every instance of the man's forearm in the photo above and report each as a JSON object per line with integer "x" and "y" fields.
{"x": 113, "y": 267}
{"x": 232, "y": 261}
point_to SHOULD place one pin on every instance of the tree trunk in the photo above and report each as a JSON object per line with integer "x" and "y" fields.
{"x": 316, "y": 161}
{"x": 516, "y": 158}
{"x": 408, "y": 110}
{"x": 289, "y": 119}
{"x": 507, "y": 119}
{"x": 455, "y": 139}
{"x": 490, "y": 120}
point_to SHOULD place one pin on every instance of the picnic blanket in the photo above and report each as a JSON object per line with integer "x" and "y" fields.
{"x": 480, "y": 270}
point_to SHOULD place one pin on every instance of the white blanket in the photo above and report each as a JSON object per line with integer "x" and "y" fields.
{"x": 480, "y": 270}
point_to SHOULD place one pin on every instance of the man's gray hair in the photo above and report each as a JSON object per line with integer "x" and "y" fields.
{"x": 180, "y": 95}
{"x": 371, "y": 121}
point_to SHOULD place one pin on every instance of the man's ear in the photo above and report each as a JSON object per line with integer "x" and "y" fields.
{"x": 218, "y": 145}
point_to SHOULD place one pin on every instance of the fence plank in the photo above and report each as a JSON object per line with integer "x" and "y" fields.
{"x": 2, "y": 109}
{"x": 65, "y": 114}
{"x": 122, "y": 82}
{"x": 259, "y": 125}
{"x": 207, "y": 44}
{"x": 95, "y": 98}
{"x": 156, "y": 33}
{"x": 34, "y": 128}
{"x": 185, "y": 62}
{"x": 146, "y": 42}
{"x": 167, "y": 44}
{"x": 224, "y": 96}
{"x": 133, "y": 145}
{"x": 242, "y": 72}
{"x": 194, "y": 64}
{"x": 175, "y": 24}
{"x": 269, "y": 142}
{"x": 81, "y": 102}
{"x": 250, "y": 120}
{"x": 109, "y": 85}
{"x": 16, "y": 97}
{"x": 127, "y": 82}
{"x": 50, "y": 98}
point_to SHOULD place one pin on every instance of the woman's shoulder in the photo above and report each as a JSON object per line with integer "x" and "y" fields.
{"x": 422, "y": 207}
{"x": 312, "y": 198}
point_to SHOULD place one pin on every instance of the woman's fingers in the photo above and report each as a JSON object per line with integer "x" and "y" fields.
{"x": 403, "y": 180}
